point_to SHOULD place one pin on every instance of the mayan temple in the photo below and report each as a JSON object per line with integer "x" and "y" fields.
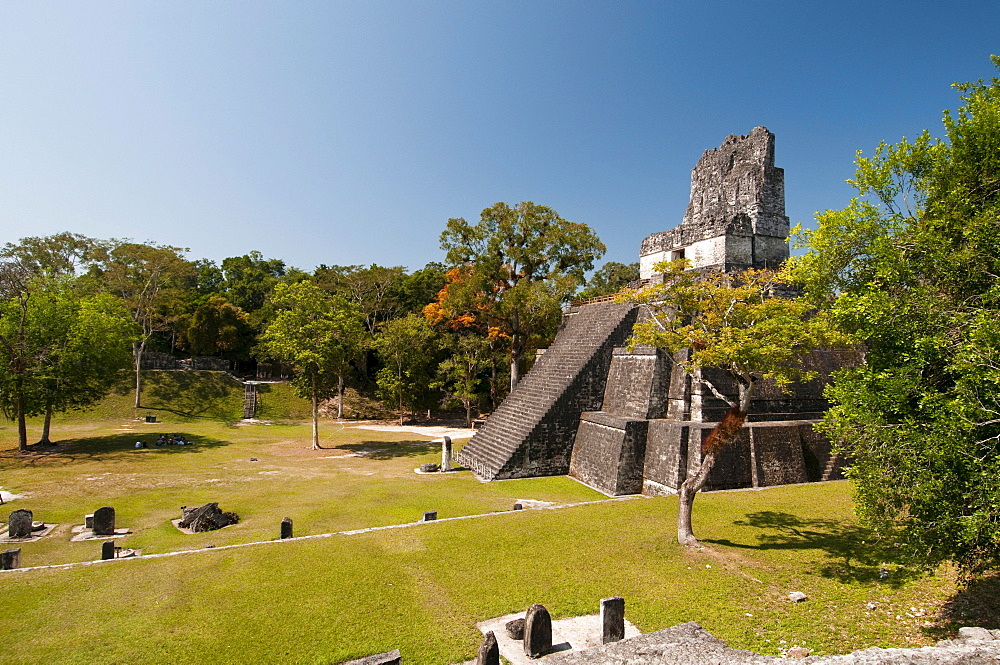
{"x": 626, "y": 422}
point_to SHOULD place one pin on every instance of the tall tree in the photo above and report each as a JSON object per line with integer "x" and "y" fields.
{"x": 910, "y": 267}
{"x": 219, "y": 328}
{"x": 147, "y": 277}
{"x": 319, "y": 335}
{"x": 408, "y": 348}
{"x": 734, "y": 323}
{"x": 610, "y": 278}
{"x": 518, "y": 265}
{"x": 460, "y": 373}
{"x": 59, "y": 350}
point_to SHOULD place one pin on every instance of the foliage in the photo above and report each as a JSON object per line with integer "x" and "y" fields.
{"x": 319, "y": 335}
{"x": 408, "y": 348}
{"x": 611, "y": 278}
{"x": 59, "y": 350}
{"x": 910, "y": 267}
{"x": 218, "y": 327}
{"x": 151, "y": 279}
{"x": 514, "y": 269}
{"x": 737, "y": 323}
{"x": 460, "y": 373}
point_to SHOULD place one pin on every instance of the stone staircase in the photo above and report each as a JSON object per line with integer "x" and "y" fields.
{"x": 532, "y": 432}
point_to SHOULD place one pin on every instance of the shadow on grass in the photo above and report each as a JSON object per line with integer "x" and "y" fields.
{"x": 117, "y": 444}
{"x": 975, "y": 604}
{"x": 385, "y": 450}
{"x": 211, "y": 395}
{"x": 853, "y": 553}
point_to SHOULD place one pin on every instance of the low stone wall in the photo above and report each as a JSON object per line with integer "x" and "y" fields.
{"x": 689, "y": 643}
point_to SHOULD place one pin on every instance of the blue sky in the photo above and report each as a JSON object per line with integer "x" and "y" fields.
{"x": 349, "y": 132}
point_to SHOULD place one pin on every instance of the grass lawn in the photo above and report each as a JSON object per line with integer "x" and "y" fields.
{"x": 419, "y": 588}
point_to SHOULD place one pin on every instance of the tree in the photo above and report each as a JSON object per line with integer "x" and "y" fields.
{"x": 734, "y": 323}
{"x": 59, "y": 350}
{"x": 218, "y": 327}
{"x": 460, "y": 372}
{"x": 407, "y": 347}
{"x": 147, "y": 277}
{"x": 910, "y": 267}
{"x": 611, "y": 278}
{"x": 90, "y": 350}
{"x": 319, "y": 335}
{"x": 517, "y": 265}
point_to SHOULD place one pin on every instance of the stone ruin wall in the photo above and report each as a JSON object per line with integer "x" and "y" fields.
{"x": 736, "y": 216}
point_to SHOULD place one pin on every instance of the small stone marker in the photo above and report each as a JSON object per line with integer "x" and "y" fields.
{"x": 430, "y": 515}
{"x": 88, "y": 521}
{"x": 104, "y": 521}
{"x": 518, "y": 506}
{"x": 797, "y": 597}
{"x": 107, "y": 550}
{"x": 612, "y": 619}
{"x": 428, "y": 467}
{"x": 446, "y": 454}
{"x": 515, "y": 629}
{"x": 286, "y": 528}
{"x": 489, "y": 652}
{"x": 19, "y": 524}
{"x": 10, "y": 559}
{"x": 537, "y": 631}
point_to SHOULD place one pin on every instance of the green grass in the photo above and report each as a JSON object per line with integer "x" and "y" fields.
{"x": 420, "y": 588}
{"x": 183, "y": 396}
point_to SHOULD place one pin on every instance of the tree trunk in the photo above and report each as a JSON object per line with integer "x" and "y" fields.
{"x": 516, "y": 351}
{"x": 315, "y": 409}
{"x": 22, "y": 425}
{"x": 468, "y": 413}
{"x": 720, "y": 437}
{"x": 46, "y": 426}
{"x": 137, "y": 350}
{"x": 340, "y": 397}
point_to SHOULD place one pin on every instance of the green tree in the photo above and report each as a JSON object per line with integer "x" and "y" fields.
{"x": 734, "y": 323}
{"x": 611, "y": 278}
{"x": 90, "y": 350}
{"x": 59, "y": 350}
{"x": 319, "y": 335}
{"x": 219, "y": 328}
{"x": 460, "y": 373}
{"x": 408, "y": 348}
{"x": 149, "y": 278}
{"x": 910, "y": 267}
{"x": 516, "y": 267}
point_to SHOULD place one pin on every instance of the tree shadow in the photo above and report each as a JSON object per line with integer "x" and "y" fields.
{"x": 211, "y": 395}
{"x": 119, "y": 444}
{"x": 977, "y": 603}
{"x": 853, "y": 553}
{"x": 385, "y": 450}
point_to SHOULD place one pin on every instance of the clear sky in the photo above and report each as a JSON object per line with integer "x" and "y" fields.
{"x": 349, "y": 132}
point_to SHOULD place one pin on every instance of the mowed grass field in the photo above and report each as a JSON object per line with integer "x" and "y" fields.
{"x": 420, "y": 587}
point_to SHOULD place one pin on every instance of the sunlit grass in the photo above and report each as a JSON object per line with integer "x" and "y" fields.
{"x": 420, "y": 588}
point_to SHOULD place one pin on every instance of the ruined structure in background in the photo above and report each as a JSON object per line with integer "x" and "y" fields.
{"x": 626, "y": 421}
{"x": 736, "y": 218}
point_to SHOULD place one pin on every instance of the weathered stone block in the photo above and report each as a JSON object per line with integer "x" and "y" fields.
{"x": 104, "y": 521}
{"x": 489, "y": 652}
{"x": 612, "y": 619}
{"x": 286, "y": 528}
{"x": 537, "y": 631}
{"x": 10, "y": 559}
{"x": 19, "y": 524}
{"x": 107, "y": 550}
